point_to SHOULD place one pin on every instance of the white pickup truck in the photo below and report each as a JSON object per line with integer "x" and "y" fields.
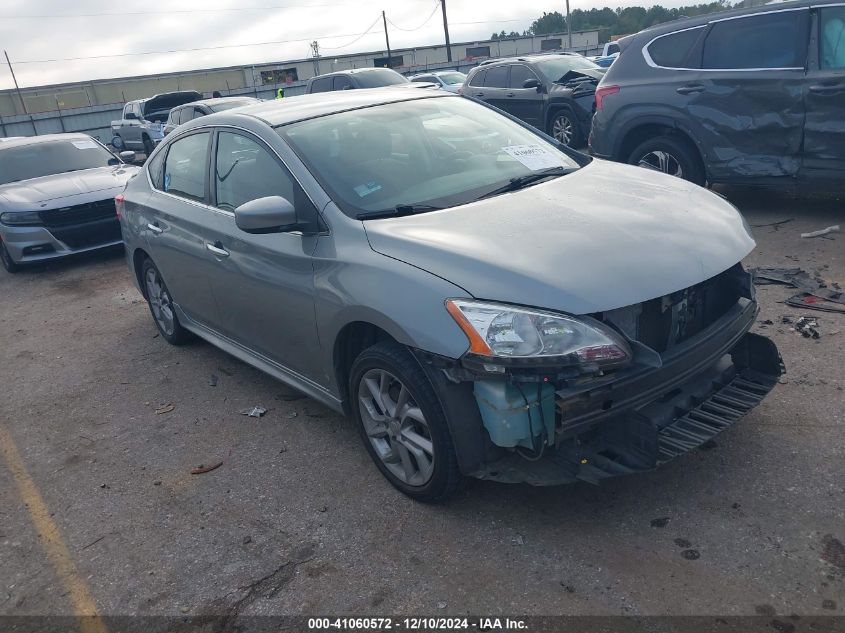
{"x": 142, "y": 124}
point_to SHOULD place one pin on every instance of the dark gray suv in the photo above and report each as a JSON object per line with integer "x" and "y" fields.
{"x": 754, "y": 96}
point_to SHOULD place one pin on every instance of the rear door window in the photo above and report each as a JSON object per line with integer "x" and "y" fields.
{"x": 186, "y": 167}
{"x": 478, "y": 79}
{"x": 324, "y": 84}
{"x": 497, "y": 77}
{"x": 832, "y": 41}
{"x": 773, "y": 40}
{"x": 672, "y": 50}
{"x": 342, "y": 82}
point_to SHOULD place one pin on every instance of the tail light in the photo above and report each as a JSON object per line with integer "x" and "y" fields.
{"x": 119, "y": 203}
{"x": 602, "y": 92}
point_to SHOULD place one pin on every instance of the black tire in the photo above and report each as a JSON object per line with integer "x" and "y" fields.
{"x": 118, "y": 143}
{"x": 670, "y": 154}
{"x": 565, "y": 120}
{"x": 166, "y": 320}
{"x": 396, "y": 360}
{"x": 148, "y": 146}
{"x": 8, "y": 263}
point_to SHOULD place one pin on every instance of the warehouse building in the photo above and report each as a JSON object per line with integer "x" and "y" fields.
{"x": 89, "y": 106}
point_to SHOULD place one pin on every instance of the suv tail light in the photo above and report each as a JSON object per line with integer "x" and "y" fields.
{"x": 604, "y": 91}
{"x": 119, "y": 201}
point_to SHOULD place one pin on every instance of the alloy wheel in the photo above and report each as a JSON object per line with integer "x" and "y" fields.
{"x": 658, "y": 160}
{"x": 160, "y": 302}
{"x": 563, "y": 130}
{"x": 396, "y": 427}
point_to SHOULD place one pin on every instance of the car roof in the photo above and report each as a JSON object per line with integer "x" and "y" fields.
{"x": 699, "y": 20}
{"x": 44, "y": 138}
{"x": 309, "y": 106}
{"x": 351, "y": 71}
{"x": 217, "y": 100}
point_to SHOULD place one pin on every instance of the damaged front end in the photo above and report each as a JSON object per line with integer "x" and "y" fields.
{"x": 630, "y": 389}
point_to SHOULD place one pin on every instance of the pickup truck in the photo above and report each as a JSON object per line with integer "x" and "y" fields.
{"x": 141, "y": 126}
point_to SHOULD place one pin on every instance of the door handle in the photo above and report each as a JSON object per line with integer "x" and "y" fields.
{"x": 155, "y": 228}
{"x": 826, "y": 89}
{"x": 510, "y": 94}
{"x": 217, "y": 249}
{"x": 478, "y": 94}
{"x": 689, "y": 89}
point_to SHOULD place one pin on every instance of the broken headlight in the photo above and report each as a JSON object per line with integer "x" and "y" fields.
{"x": 510, "y": 332}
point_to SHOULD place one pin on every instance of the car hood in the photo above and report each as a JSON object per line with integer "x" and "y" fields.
{"x": 74, "y": 183}
{"x": 603, "y": 237}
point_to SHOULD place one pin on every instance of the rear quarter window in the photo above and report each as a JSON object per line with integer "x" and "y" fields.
{"x": 673, "y": 50}
{"x": 324, "y": 84}
{"x": 772, "y": 40}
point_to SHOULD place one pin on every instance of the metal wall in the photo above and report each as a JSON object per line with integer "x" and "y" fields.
{"x": 90, "y": 107}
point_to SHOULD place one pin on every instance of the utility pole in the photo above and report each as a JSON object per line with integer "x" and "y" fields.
{"x": 568, "y": 25}
{"x": 315, "y": 56}
{"x": 446, "y": 30}
{"x": 386, "y": 39}
{"x": 20, "y": 96}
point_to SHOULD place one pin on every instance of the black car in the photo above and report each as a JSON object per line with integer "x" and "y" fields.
{"x": 753, "y": 96}
{"x": 554, "y": 93}
{"x": 355, "y": 78}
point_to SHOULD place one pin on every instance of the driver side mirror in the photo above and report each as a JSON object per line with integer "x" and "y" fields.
{"x": 127, "y": 156}
{"x": 272, "y": 214}
{"x": 531, "y": 83}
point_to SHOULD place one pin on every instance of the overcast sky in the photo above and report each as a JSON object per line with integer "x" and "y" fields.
{"x": 34, "y": 30}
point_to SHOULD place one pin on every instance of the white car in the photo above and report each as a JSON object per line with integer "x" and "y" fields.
{"x": 450, "y": 80}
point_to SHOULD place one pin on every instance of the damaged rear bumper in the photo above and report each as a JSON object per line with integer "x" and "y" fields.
{"x": 637, "y": 419}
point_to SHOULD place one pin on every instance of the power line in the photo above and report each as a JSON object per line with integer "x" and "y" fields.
{"x": 357, "y": 37}
{"x": 176, "y": 12}
{"x": 361, "y": 36}
{"x": 431, "y": 15}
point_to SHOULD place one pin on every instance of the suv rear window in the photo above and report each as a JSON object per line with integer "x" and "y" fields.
{"x": 672, "y": 50}
{"x": 497, "y": 77}
{"x": 773, "y": 40}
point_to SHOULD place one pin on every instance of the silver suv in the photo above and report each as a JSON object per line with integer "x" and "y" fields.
{"x": 141, "y": 126}
{"x": 496, "y": 309}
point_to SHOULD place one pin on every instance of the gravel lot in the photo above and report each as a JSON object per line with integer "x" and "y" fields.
{"x": 297, "y": 520}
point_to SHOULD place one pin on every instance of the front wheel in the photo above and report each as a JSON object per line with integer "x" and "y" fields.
{"x": 148, "y": 146}
{"x": 669, "y": 155}
{"x": 161, "y": 306}
{"x": 564, "y": 128}
{"x": 8, "y": 263}
{"x": 402, "y": 423}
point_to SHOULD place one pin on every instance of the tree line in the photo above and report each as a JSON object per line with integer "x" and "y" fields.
{"x": 620, "y": 21}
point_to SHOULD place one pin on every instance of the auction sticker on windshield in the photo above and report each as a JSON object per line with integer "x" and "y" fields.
{"x": 533, "y": 156}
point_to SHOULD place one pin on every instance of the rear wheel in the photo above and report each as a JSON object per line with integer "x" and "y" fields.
{"x": 161, "y": 306}
{"x": 669, "y": 155}
{"x": 8, "y": 263}
{"x": 402, "y": 423}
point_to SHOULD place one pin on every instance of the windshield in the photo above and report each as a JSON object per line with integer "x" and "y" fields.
{"x": 452, "y": 78}
{"x": 554, "y": 68}
{"x": 228, "y": 105}
{"x": 51, "y": 157}
{"x": 438, "y": 152}
{"x": 380, "y": 77}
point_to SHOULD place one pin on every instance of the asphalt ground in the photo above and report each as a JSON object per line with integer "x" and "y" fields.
{"x": 101, "y": 423}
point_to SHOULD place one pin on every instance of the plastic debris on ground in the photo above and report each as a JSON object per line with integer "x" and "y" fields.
{"x": 825, "y": 231}
{"x": 254, "y": 412}
{"x": 807, "y": 327}
{"x": 816, "y": 293}
{"x": 165, "y": 408}
{"x": 202, "y": 468}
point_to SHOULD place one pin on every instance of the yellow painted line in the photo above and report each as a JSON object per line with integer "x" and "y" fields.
{"x": 84, "y": 607}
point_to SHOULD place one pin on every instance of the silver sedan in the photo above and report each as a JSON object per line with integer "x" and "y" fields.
{"x": 57, "y": 197}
